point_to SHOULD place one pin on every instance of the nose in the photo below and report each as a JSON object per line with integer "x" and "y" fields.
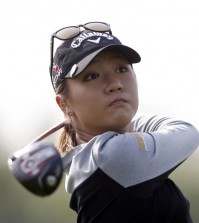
{"x": 114, "y": 86}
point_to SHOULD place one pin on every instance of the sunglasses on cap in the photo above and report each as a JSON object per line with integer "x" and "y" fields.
{"x": 70, "y": 32}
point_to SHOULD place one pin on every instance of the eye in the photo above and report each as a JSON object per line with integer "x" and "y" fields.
{"x": 121, "y": 69}
{"x": 92, "y": 76}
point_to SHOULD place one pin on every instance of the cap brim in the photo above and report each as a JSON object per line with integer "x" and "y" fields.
{"x": 126, "y": 51}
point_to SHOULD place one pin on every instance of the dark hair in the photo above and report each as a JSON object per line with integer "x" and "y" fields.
{"x": 67, "y": 139}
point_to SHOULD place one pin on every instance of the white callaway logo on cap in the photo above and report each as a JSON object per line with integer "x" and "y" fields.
{"x": 94, "y": 40}
{"x": 77, "y": 42}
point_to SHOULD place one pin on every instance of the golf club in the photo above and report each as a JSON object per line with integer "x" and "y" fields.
{"x": 38, "y": 166}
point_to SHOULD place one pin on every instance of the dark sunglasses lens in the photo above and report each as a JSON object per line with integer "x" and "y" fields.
{"x": 68, "y": 32}
{"x": 97, "y": 26}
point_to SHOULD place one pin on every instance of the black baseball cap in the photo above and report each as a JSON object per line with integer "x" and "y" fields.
{"x": 74, "y": 55}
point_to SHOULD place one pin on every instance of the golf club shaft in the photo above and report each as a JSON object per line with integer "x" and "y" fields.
{"x": 49, "y": 132}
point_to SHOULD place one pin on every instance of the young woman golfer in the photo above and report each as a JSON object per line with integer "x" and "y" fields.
{"x": 117, "y": 163}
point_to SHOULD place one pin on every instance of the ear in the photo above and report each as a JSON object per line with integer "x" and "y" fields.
{"x": 64, "y": 106}
{"x": 61, "y": 103}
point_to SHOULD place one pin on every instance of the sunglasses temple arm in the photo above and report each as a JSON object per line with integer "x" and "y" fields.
{"x": 51, "y": 56}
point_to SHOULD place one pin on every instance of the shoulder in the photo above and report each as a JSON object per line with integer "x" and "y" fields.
{"x": 157, "y": 145}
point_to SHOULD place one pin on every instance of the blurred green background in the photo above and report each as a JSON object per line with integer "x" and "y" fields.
{"x": 19, "y": 205}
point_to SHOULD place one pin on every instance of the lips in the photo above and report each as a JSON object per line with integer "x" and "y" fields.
{"x": 118, "y": 101}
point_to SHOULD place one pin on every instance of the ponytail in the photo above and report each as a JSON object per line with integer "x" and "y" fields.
{"x": 67, "y": 139}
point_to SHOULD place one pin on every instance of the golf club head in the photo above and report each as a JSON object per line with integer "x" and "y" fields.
{"x": 38, "y": 167}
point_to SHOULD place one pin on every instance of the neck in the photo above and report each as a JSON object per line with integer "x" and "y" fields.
{"x": 84, "y": 137}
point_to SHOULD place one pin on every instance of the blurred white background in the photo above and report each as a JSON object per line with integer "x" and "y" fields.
{"x": 165, "y": 33}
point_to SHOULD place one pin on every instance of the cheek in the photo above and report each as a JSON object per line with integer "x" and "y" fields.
{"x": 131, "y": 84}
{"x": 133, "y": 90}
{"x": 81, "y": 102}
{"x": 75, "y": 92}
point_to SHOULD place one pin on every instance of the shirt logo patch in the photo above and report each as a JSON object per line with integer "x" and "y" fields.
{"x": 139, "y": 140}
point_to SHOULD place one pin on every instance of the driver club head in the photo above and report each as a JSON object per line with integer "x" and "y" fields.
{"x": 38, "y": 167}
